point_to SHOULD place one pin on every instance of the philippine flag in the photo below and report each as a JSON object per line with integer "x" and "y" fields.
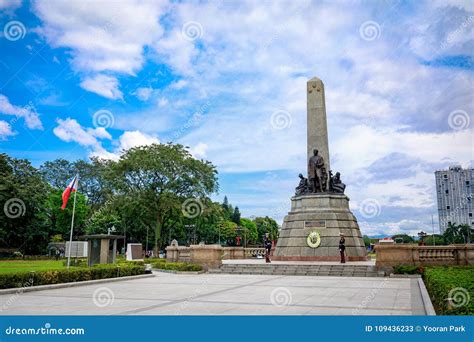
{"x": 67, "y": 192}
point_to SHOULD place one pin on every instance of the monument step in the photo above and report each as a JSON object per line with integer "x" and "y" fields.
{"x": 307, "y": 270}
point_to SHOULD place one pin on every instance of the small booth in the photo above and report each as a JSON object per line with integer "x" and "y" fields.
{"x": 101, "y": 248}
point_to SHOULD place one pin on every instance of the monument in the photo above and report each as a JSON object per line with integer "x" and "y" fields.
{"x": 320, "y": 209}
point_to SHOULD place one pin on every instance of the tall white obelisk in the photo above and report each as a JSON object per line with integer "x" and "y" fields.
{"x": 316, "y": 119}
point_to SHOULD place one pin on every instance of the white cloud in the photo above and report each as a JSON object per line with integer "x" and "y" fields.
{"x": 99, "y": 132}
{"x": 103, "y": 85}
{"x": 70, "y": 130}
{"x": 135, "y": 138}
{"x": 162, "y": 102}
{"x": 199, "y": 151}
{"x": 5, "y": 130}
{"x": 144, "y": 94}
{"x": 179, "y": 84}
{"x": 9, "y": 6}
{"x": 102, "y": 35}
{"x": 28, "y": 112}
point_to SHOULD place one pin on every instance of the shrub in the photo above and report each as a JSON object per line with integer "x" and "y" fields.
{"x": 26, "y": 279}
{"x": 451, "y": 281}
{"x": 408, "y": 269}
{"x": 162, "y": 264}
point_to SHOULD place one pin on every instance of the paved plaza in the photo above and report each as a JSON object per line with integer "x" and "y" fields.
{"x": 225, "y": 294}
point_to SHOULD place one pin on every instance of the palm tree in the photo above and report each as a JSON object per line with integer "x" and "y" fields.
{"x": 458, "y": 233}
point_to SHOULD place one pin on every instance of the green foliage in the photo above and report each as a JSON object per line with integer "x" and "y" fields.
{"x": 57, "y": 220}
{"x": 455, "y": 281}
{"x": 266, "y": 225}
{"x": 431, "y": 240}
{"x": 159, "y": 178}
{"x": 236, "y": 216}
{"x": 162, "y": 264}
{"x": 403, "y": 238}
{"x": 228, "y": 231}
{"x": 142, "y": 195}
{"x": 408, "y": 269}
{"x": 26, "y": 279}
{"x": 458, "y": 233}
{"x": 103, "y": 219}
{"x": 250, "y": 230}
{"x": 22, "y": 185}
{"x": 91, "y": 177}
{"x": 367, "y": 240}
{"x": 56, "y": 238}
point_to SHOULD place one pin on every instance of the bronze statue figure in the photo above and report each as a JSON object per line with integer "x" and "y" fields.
{"x": 335, "y": 183}
{"x": 317, "y": 175}
{"x": 303, "y": 187}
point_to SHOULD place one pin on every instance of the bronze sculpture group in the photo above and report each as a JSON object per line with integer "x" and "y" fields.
{"x": 317, "y": 181}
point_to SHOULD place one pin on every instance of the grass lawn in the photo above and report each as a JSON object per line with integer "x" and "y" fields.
{"x": 12, "y": 266}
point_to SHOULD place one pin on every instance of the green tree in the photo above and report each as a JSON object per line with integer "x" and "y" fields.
{"x": 404, "y": 238}
{"x": 436, "y": 239}
{"x": 22, "y": 195}
{"x": 225, "y": 204}
{"x": 367, "y": 240}
{"x": 458, "y": 233}
{"x": 162, "y": 179}
{"x": 227, "y": 231}
{"x": 207, "y": 222}
{"x": 92, "y": 182}
{"x": 57, "y": 172}
{"x": 102, "y": 220}
{"x": 236, "y": 216}
{"x": 58, "y": 221}
{"x": 250, "y": 230}
{"x": 266, "y": 225}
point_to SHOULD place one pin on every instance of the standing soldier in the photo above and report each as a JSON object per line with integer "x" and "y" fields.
{"x": 342, "y": 248}
{"x": 267, "y": 244}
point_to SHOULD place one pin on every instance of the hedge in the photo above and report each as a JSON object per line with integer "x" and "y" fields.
{"x": 456, "y": 282}
{"x": 27, "y": 279}
{"x": 408, "y": 269}
{"x": 162, "y": 264}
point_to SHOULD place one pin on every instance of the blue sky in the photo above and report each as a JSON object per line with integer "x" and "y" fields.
{"x": 227, "y": 79}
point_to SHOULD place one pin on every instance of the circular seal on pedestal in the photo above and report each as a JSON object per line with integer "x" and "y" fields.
{"x": 314, "y": 239}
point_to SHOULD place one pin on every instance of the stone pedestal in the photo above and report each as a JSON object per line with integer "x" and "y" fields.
{"x": 327, "y": 214}
{"x": 208, "y": 256}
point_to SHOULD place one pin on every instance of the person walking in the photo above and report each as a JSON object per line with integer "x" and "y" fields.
{"x": 342, "y": 248}
{"x": 267, "y": 244}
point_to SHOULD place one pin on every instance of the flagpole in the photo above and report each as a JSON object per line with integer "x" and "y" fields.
{"x": 72, "y": 224}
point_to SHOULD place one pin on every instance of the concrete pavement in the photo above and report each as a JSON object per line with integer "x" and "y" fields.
{"x": 225, "y": 294}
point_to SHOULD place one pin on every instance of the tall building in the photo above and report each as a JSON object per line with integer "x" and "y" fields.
{"x": 454, "y": 188}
